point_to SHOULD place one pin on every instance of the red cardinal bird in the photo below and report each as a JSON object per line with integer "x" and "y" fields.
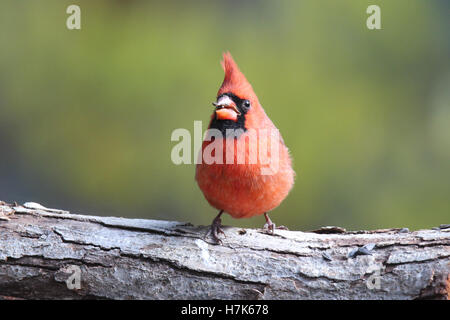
{"x": 242, "y": 189}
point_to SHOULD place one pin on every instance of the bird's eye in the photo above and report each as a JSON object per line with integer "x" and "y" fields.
{"x": 246, "y": 104}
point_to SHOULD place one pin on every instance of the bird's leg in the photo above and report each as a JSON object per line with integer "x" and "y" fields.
{"x": 215, "y": 228}
{"x": 270, "y": 226}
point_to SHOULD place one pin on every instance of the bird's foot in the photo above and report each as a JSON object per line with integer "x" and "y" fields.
{"x": 216, "y": 229}
{"x": 270, "y": 227}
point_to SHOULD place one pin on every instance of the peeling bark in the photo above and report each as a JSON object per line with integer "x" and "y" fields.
{"x": 150, "y": 259}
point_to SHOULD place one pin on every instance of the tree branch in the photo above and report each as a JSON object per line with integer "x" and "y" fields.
{"x": 117, "y": 258}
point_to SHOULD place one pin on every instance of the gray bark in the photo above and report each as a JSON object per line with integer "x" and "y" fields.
{"x": 41, "y": 248}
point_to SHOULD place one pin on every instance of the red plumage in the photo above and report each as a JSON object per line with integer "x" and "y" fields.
{"x": 241, "y": 189}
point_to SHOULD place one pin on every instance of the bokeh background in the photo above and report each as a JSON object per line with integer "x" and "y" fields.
{"x": 86, "y": 116}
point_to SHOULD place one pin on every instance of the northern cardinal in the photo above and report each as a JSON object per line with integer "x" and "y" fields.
{"x": 242, "y": 189}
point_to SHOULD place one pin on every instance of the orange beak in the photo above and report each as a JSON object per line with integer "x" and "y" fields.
{"x": 226, "y": 109}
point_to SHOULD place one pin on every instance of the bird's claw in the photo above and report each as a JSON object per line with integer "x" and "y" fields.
{"x": 215, "y": 230}
{"x": 272, "y": 227}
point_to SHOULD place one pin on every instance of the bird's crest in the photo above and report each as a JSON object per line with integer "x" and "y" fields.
{"x": 235, "y": 81}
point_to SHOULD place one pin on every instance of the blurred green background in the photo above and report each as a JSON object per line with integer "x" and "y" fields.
{"x": 86, "y": 115}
